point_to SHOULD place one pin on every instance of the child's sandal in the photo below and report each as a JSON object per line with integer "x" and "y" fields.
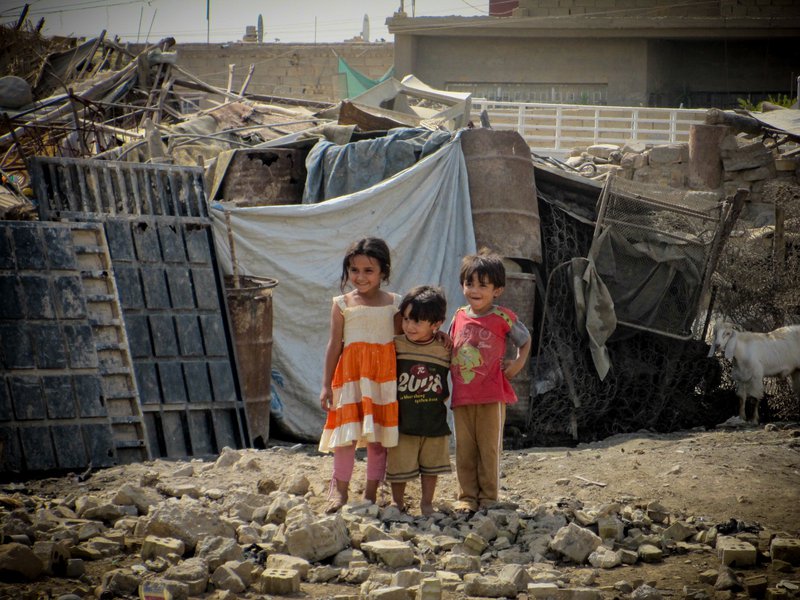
{"x": 334, "y": 505}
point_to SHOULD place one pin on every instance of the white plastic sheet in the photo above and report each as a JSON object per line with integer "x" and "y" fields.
{"x": 423, "y": 213}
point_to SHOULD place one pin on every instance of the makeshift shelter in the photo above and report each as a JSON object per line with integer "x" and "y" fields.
{"x": 423, "y": 213}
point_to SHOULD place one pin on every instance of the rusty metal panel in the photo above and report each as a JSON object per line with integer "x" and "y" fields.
{"x": 264, "y": 177}
{"x": 89, "y": 189}
{"x": 250, "y": 307}
{"x": 68, "y": 396}
{"x": 170, "y": 290}
{"x": 502, "y": 189}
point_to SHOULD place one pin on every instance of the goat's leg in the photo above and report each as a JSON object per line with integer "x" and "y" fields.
{"x": 756, "y": 390}
{"x": 795, "y": 377}
{"x": 742, "y": 393}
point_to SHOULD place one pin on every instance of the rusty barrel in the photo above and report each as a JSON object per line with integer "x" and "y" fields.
{"x": 519, "y": 295}
{"x": 250, "y": 310}
{"x": 502, "y": 189}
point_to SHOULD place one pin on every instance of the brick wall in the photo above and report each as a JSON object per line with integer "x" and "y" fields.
{"x": 306, "y": 71}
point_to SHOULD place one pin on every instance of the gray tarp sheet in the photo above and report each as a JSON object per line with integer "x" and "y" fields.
{"x": 423, "y": 213}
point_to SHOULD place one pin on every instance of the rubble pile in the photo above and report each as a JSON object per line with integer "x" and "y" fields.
{"x": 746, "y": 164}
{"x": 185, "y": 528}
{"x": 97, "y": 99}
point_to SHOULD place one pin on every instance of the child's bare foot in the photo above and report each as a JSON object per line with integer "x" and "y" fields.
{"x": 371, "y": 490}
{"x": 401, "y": 507}
{"x": 426, "y": 509}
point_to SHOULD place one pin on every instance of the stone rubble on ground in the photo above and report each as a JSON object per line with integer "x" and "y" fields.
{"x": 194, "y": 540}
{"x": 746, "y": 163}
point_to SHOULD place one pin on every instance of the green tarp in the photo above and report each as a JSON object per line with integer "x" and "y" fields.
{"x": 354, "y": 82}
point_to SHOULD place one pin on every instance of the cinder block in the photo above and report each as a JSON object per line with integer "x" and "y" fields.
{"x": 756, "y": 586}
{"x": 786, "y": 549}
{"x": 280, "y": 581}
{"x": 543, "y": 591}
{"x": 776, "y": 594}
{"x": 734, "y": 552}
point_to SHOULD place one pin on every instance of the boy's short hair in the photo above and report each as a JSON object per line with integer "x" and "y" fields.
{"x": 427, "y": 304}
{"x": 488, "y": 266}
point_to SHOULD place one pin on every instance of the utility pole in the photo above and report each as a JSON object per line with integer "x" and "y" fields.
{"x": 208, "y": 21}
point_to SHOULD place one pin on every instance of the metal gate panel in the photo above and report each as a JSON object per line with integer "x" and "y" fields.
{"x": 171, "y": 292}
{"x": 77, "y": 188}
{"x": 68, "y": 397}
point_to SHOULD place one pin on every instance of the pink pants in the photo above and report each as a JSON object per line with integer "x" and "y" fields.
{"x": 344, "y": 458}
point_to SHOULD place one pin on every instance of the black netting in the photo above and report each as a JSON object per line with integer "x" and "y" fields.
{"x": 757, "y": 286}
{"x": 656, "y": 382}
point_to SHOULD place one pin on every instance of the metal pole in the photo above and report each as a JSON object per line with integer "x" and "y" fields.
{"x": 208, "y": 21}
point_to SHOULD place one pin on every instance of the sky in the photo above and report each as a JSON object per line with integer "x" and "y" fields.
{"x": 304, "y": 21}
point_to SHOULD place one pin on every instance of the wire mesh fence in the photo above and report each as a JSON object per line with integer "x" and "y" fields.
{"x": 656, "y": 382}
{"x": 757, "y": 285}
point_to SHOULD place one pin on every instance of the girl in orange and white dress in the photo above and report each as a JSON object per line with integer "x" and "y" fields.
{"x": 359, "y": 387}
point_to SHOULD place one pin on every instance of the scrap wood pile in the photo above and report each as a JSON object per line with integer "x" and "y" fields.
{"x": 98, "y": 99}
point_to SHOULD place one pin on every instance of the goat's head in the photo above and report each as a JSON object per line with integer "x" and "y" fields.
{"x": 724, "y": 340}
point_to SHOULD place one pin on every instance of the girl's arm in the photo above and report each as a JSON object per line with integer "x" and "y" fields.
{"x": 332, "y": 354}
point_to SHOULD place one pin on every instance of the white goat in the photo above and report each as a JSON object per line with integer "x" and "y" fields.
{"x": 758, "y": 355}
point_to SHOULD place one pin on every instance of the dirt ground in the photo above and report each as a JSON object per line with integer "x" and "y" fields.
{"x": 749, "y": 474}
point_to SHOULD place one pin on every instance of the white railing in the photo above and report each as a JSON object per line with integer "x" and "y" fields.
{"x": 555, "y": 129}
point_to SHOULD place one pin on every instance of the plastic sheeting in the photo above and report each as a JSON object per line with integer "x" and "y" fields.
{"x": 423, "y": 213}
{"x": 355, "y": 82}
{"x": 336, "y": 170}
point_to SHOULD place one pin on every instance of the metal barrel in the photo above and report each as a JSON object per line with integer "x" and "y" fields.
{"x": 250, "y": 310}
{"x": 502, "y": 189}
{"x": 519, "y": 295}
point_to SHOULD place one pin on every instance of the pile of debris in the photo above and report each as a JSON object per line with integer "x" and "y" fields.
{"x": 191, "y": 529}
{"x": 745, "y": 160}
{"x": 99, "y": 99}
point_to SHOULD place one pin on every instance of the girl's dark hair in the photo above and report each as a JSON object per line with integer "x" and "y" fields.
{"x": 488, "y": 266}
{"x": 427, "y": 304}
{"x": 373, "y": 248}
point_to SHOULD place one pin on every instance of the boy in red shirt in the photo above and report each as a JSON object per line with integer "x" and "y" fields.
{"x": 480, "y": 377}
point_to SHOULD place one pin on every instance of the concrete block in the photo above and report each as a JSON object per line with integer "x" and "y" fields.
{"x": 668, "y": 154}
{"x": 756, "y": 586}
{"x": 610, "y": 528}
{"x": 786, "y": 549}
{"x": 430, "y": 589}
{"x": 154, "y": 546}
{"x": 543, "y": 591}
{"x": 475, "y": 544}
{"x": 280, "y": 581}
{"x": 734, "y": 552}
{"x": 649, "y": 553}
{"x": 285, "y": 562}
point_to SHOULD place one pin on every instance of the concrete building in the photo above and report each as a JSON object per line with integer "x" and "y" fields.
{"x": 616, "y": 52}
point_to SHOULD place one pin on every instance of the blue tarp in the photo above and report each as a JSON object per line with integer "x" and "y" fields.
{"x": 336, "y": 170}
